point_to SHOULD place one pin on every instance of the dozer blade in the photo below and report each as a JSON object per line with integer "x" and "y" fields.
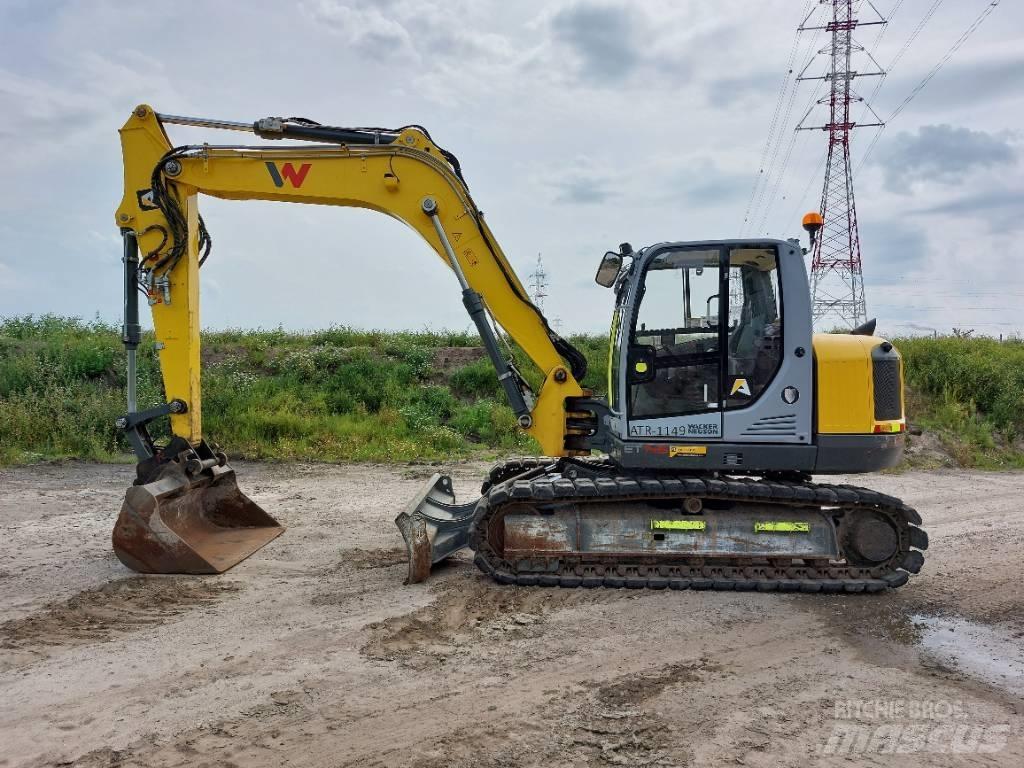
{"x": 434, "y": 526}
{"x": 179, "y": 523}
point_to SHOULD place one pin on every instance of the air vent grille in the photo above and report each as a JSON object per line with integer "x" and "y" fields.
{"x": 782, "y": 426}
{"x": 886, "y": 376}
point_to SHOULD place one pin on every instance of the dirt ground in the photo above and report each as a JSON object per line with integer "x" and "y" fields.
{"x": 313, "y": 653}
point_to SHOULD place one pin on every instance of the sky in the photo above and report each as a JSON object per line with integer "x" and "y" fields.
{"x": 579, "y": 125}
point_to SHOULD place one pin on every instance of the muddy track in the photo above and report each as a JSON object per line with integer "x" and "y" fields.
{"x": 313, "y": 652}
{"x": 466, "y": 611}
{"x": 122, "y": 606}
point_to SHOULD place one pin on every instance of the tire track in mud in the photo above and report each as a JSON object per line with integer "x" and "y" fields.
{"x": 607, "y": 722}
{"x": 98, "y": 615}
{"x": 614, "y": 723}
{"x": 470, "y": 607}
{"x": 360, "y": 559}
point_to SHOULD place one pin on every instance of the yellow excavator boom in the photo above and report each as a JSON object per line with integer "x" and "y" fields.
{"x": 185, "y": 512}
{"x": 396, "y": 178}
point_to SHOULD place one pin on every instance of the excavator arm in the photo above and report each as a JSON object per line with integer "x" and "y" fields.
{"x": 185, "y": 512}
{"x": 400, "y": 173}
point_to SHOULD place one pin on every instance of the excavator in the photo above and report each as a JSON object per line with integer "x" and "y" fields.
{"x": 694, "y": 472}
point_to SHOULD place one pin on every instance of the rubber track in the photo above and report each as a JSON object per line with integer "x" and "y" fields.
{"x": 724, "y": 573}
{"x": 510, "y": 468}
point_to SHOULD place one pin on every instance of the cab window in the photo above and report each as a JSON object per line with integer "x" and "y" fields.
{"x": 755, "y": 324}
{"x": 675, "y": 352}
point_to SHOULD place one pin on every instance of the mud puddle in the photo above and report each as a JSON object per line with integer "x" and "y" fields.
{"x": 946, "y": 641}
{"x": 989, "y": 654}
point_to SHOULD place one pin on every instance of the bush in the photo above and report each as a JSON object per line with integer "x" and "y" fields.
{"x": 983, "y": 375}
{"x": 349, "y": 394}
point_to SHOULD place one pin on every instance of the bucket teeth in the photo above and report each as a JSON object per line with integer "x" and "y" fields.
{"x": 179, "y": 523}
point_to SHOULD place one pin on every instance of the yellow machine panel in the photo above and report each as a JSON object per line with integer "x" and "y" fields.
{"x": 845, "y": 388}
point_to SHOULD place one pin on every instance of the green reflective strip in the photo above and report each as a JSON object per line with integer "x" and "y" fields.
{"x": 678, "y": 525}
{"x": 781, "y": 526}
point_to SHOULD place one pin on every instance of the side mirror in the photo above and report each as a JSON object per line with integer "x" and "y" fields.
{"x": 608, "y": 270}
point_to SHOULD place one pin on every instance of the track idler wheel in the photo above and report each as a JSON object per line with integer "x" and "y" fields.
{"x": 870, "y": 539}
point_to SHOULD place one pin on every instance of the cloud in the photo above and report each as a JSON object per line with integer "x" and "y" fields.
{"x": 583, "y": 189}
{"x": 445, "y": 49}
{"x": 998, "y": 201}
{"x": 77, "y": 102}
{"x": 580, "y": 124}
{"x": 421, "y": 30}
{"x": 725, "y": 92}
{"x": 891, "y": 248}
{"x": 961, "y": 84}
{"x": 704, "y": 184}
{"x": 607, "y": 43}
{"x": 997, "y": 207}
{"x": 941, "y": 153}
{"x": 603, "y": 38}
{"x": 372, "y": 29}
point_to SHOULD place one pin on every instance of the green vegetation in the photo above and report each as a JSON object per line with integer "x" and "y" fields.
{"x": 345, "y": 394}
{"x": 970, "y": 392}
{"x": 337, "y": 394}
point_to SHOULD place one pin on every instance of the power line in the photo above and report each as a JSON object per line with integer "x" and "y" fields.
{"x": 781, "y": 177}
{"x": 810, "y": 104}
{"x": 885, "y": 27}
{"x": 837, "y": 279}
{"x": 931, "y": 73}
{"x": 913, "y": 35}
{"x": 810, "y": 181}
{"x": 896, "y": 59}
{"x": 949, "y": 54}
{"x": 789, "y": 152}
{"x": 771, "y": 146}
{"x": 874, "y": 47}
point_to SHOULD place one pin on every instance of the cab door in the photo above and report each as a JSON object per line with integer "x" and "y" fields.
{"x": 769, "y": 385}
{"x": 675, "y": 358}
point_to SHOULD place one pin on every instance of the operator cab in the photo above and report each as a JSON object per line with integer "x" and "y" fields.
{"x": 700, "y": 340}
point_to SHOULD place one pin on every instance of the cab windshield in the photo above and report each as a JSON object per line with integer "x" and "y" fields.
{"x": 707, "y": 332}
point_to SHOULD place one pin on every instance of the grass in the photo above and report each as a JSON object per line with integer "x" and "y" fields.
{"x": 970, "y": 392}
{"x": 344, "y": 394}
{"x": 332, "y": 395}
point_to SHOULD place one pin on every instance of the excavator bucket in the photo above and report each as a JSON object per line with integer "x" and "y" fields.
{"x": 181, "y": 522}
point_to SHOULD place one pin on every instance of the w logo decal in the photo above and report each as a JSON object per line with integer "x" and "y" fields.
{"x": 287, "y": 171}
